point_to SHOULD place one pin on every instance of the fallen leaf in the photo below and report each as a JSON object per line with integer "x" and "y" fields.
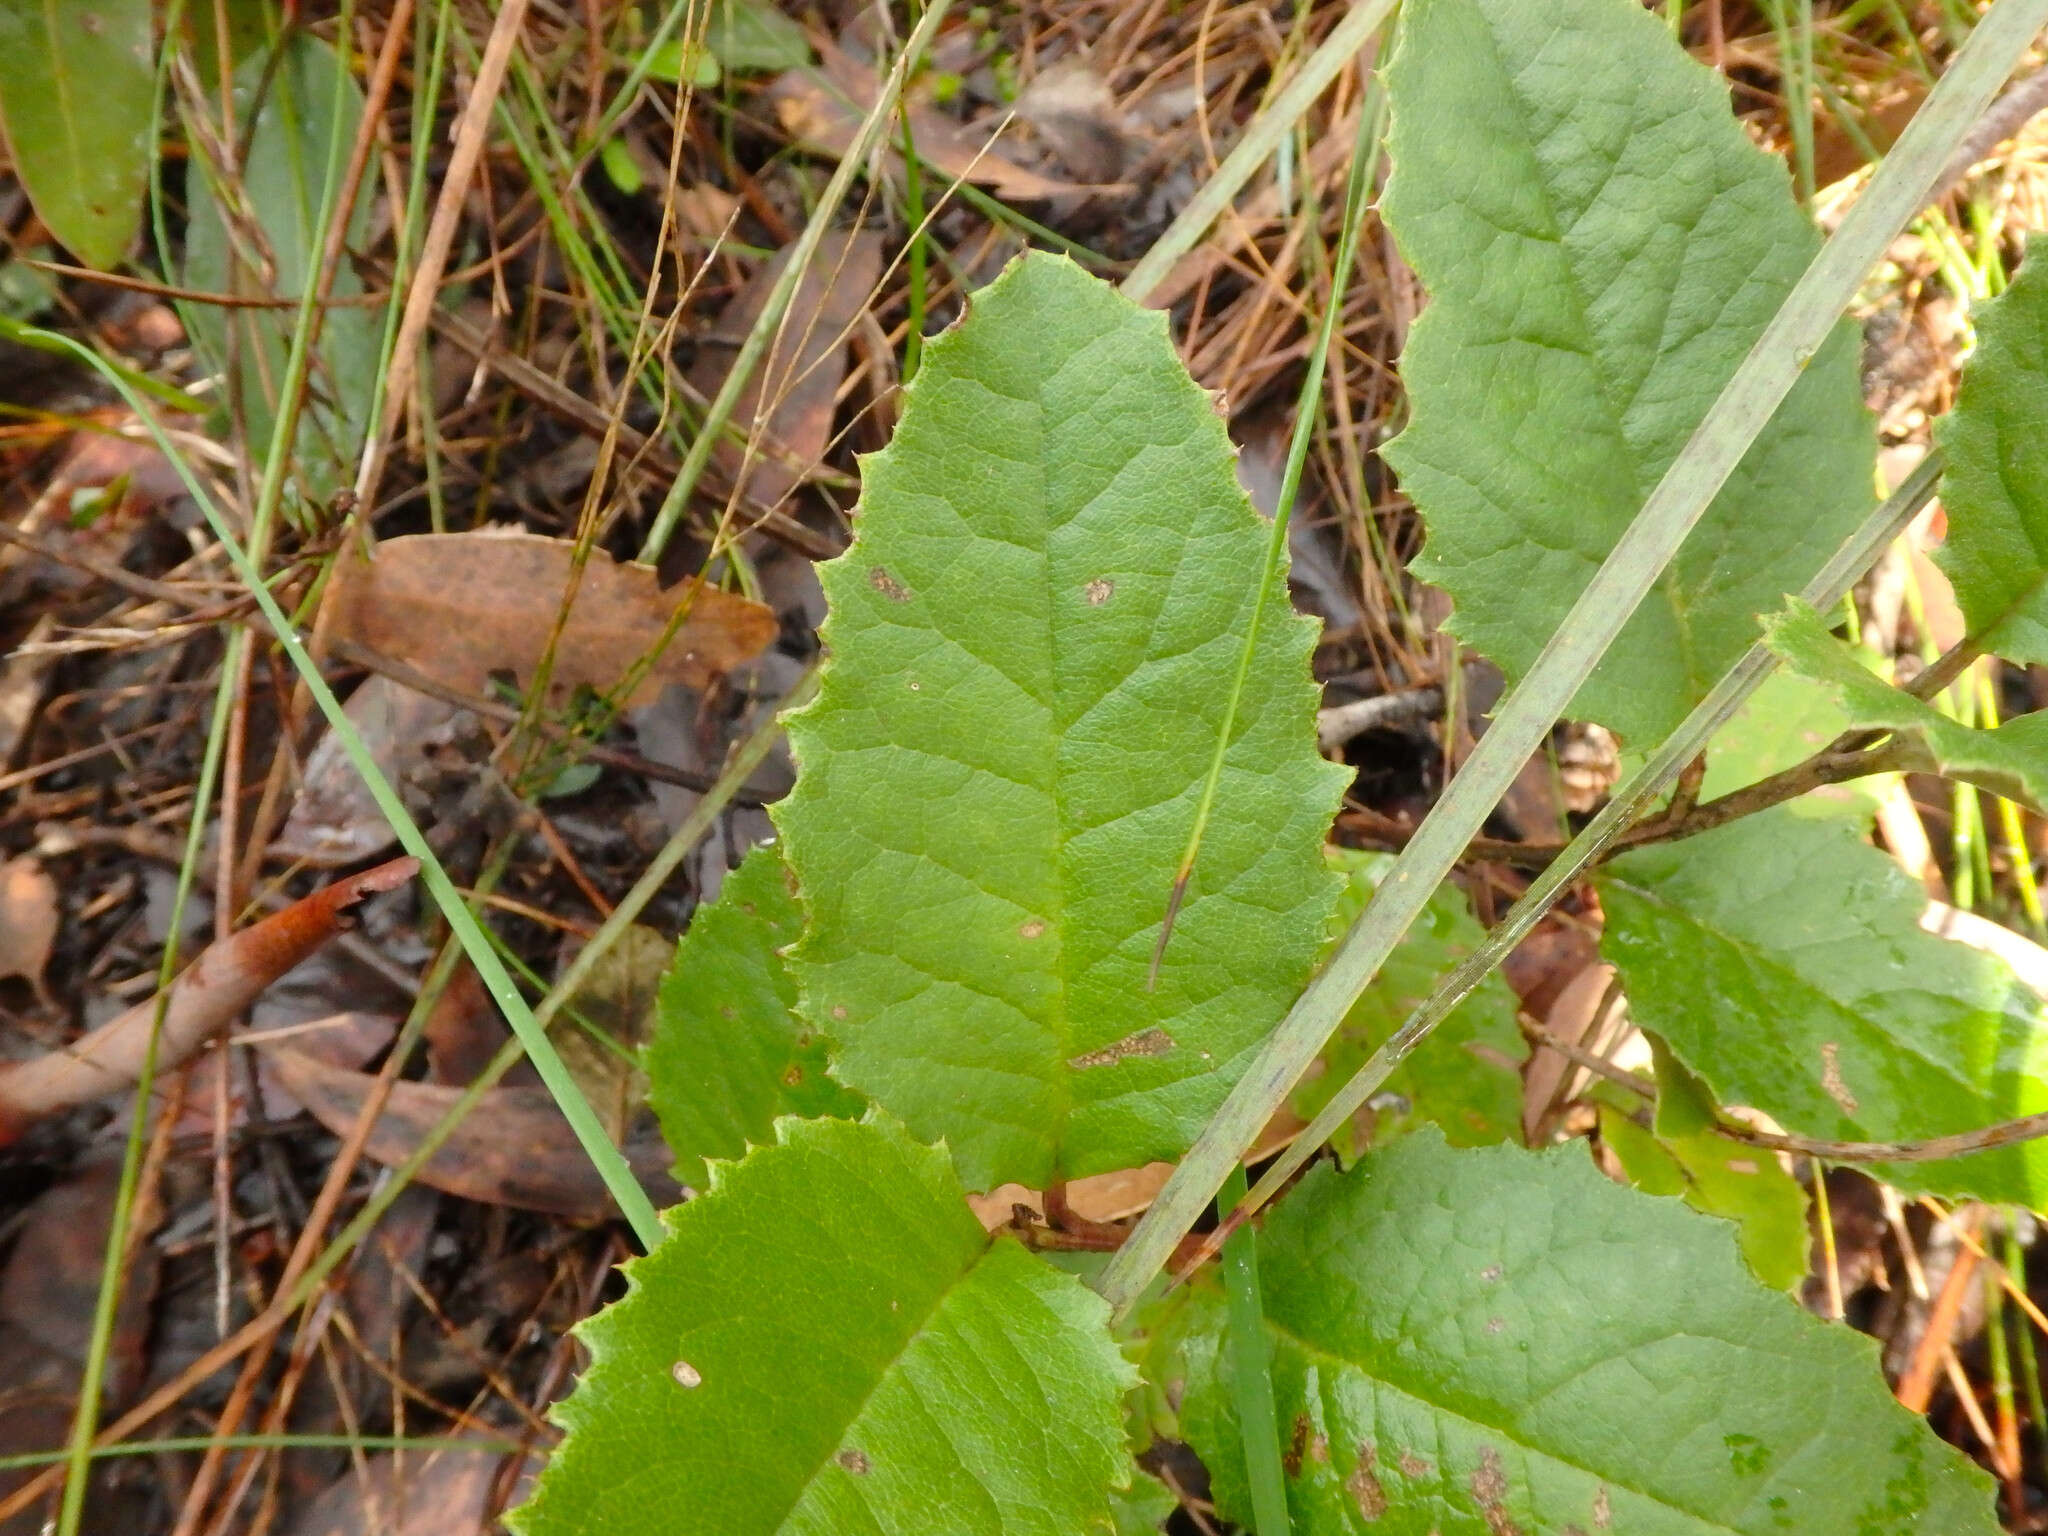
{"x": 1075, "y": 113}
{"x": 799, "y": 382}
{"x": 514, "y": 1149}
{"x": 28, "y": 919}
{"x": 416, "y": 1493}
{"x": 334, "y": 820}
{"x": 822, "y": 107}
{"x": 207, "y": 994}
{"x": 1572, "y": 1019}
{"x": 460, "y": 606}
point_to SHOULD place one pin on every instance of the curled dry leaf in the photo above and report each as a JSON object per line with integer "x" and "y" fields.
{"x": 460, "y": 606}
{"x": 789, "y": 399}
{"x": 28, "y": 919}
{"x": 515, "y": 1149}
{"x": 210, "y": 992}
{"x": 822, "y": 108}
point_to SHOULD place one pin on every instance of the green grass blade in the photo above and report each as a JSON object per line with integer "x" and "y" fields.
{"x": 769, "y": 321}
{"x": 1248, "y": 1366}
{"x": 1307, "y": 412}
{"x": 1257, "y": 146}
{"x": 1752, "y": 394}
{"x": 605, "y": 1157}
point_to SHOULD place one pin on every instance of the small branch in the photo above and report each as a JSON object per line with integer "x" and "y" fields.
{"x": 1934, "y": 1149}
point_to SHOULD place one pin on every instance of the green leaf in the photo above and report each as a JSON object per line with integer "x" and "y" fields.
{"x": 2011, "y": 760}
{"x": 1143, "y": 1508}
{"x": 1996, "y": 488}
{"x": 77, "y": 87}
{"x": 1033, "y": 638}
{"x": 1601, "y": 244}
{"x": 752, "y": 35}
{"x": 826, "y": 1342}
{"x": 676, "y": 61}
{"x": 1680, "y": 1154}
{"x": 1498, "y": 1340}
{"x": 281, "y": 194}
{"x": 1466, "y": 1077}
{"x": 729, "y": 1054}
{"x": 1782, "y": 961}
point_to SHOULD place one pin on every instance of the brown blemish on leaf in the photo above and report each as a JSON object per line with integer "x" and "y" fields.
{"x": 1098, "y": 591}
{"x": 1146, "y": 1042}
{"x": 854, "y": 1461}
{"x": 1831, "y": 1077}
{"x": 839, "y": 1011}
{"x": 1297, "y": 1442}
{"x": 1603, "y": 1512}
{"x": 685, "y": 1374}
{"x": 888, "y": 586}
{"x": 1741, "y": 1165}
{"x": 1319, "y": 1449}
{"x": 1491, "y": 1273}
{"x": 1364, "y": 1485}
{"x": 1414, "y": 1467}
{"x": 793, "y": 1076}
{"x": 1494, "y": 1325}
{"x": 1490, "y": 1489}
{"x": 1032, "y": 929}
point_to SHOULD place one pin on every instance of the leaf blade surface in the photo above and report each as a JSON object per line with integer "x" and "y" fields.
{"x": 76, "y": 96}
{"x": 1782, "y": 961}
{"x": 729, "y": 1055}
{"x": 1601, "y": 245}
{"x": 826, "y": 1342}
{"x": 1482, "y": 1341}
{"x": 1033, "y": 638}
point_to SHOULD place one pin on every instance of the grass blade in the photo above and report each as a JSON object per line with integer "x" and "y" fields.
{"x": 1257, "y": 146}
{"x": 1752, "y": 394}
{"x": 769, "y": 321}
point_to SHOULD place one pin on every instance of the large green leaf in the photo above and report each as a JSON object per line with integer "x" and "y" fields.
{"x": 2011, "y": 760}
{"x": 1033, "y": 639}
{"x": 1601, "y": 245}
{"x": 1482, "y": 1342}
{"x": 1466, "y": 1077}
{"x": 729, "y": 1055}
{"x": 827, "y": 1342}
{"x": 1996, "y": 488}
{"x": 1680, "y": 1153}
{"x": 1781, "y": 960}
{"x": 280, "y": 195}
{"x": 77, "y": 89}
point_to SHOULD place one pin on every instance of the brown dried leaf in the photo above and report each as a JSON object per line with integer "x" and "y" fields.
{"x": 799, "y": 383}
{"x": 515, "y": 1149}
{"x": 28, "y": 919}
{"x": 206, "y": 996}
{"x": 822, "y": 108}
{"x": 335, "y": 820}
{"x": 459, "y": 606}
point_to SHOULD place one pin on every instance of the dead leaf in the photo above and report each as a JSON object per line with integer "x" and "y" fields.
{"x": 618, "y": 997}
{"x": 799, "y": 382}
{"x": 460, "y": 606}
{"x": 430, "y": 1493}
{"x": 211, "y": 991}
{"x": 334, "y": 820}
{"x": 514, "y": 1149}
{"x": 29, "y": 919}
{"x": 1075, "y": 112}
{"x": 822, "y": 108}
